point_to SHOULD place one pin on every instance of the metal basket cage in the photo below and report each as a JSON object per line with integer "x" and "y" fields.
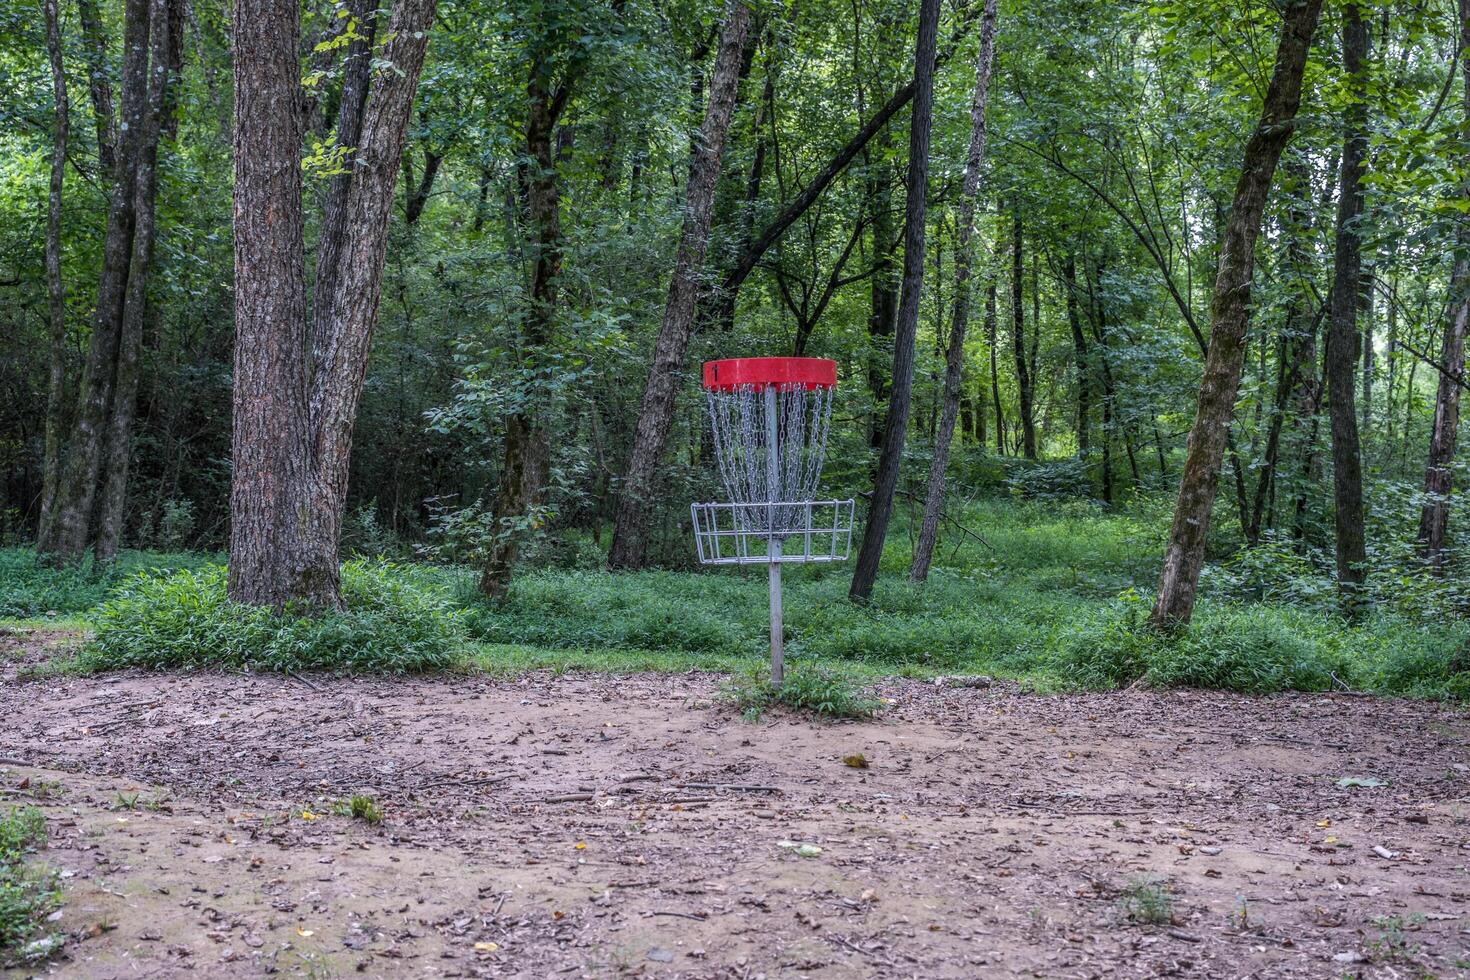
{"x": 787, "y": 532}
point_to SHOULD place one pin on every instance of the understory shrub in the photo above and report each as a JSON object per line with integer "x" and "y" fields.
{"x": 27, "y": 891}
{"x": 185, "y": 619}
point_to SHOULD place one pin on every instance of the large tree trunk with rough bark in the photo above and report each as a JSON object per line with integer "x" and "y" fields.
{"x": 895, "y": 427}
{"x": 1229, "y": 316}
{"x": 270, "y": 486}
{"x": 55, "y": 288}
{"x": 954, "y": 358}
{"x": 1439, "y": 473}
{"x": 1342, "y": 338}
{"x": 656, "y": 411}
{"x": 297, "y": 389}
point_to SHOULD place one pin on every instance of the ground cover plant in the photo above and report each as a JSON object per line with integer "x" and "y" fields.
{"x": 28, "y": 890}
{"x": 1045, "y": 592}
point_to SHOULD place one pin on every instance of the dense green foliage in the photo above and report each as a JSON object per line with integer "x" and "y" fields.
{"x": 31, "y": 588}
{"x": 1054, "y": 595}
{"x": 183, "y": 619}
{"x": 27, "y": 891}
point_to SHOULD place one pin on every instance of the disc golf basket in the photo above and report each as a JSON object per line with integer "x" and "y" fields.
{"x": 770, "y": 417}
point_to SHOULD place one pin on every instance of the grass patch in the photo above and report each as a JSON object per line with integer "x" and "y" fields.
{"x": 361, "y": 807}
{"x": 1148, "y": 903}
{"x": 28, "y": 892}
{"x": 807, "y": 690}
{"x": 185, "y": 620}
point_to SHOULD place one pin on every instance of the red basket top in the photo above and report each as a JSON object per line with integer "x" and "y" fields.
{"x": 762, "y": 372}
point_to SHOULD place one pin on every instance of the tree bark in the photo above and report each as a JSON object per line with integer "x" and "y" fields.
{"x": 1229, "y": 314}
{"x": 94, "y": 43}
{"x": 270, "y": 486}
{"x": 1439, "y": 472}
{"x": 656, "y": 411}
{"x": 1024, "y": 391}
{"x": 76, "y": 495}
{"x": 895, "y": 426}
{"x": 992, "y": 342}
{"x": 1080, "y": 358}
{"x": 954, "y": 359}
{"x": 1342, "y": 339}
{"x": 526, "y": 459}
{"x": 297, "y": 389}
{"x": 55, "y": 287}
{"x": 114, "y": 486}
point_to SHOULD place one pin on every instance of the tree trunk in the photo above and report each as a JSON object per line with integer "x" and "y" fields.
{"x": 1439, "y": 473}
{"x": 1342, "y": 338}
{"x": 1024, "y": 391}
{"x": 94, "y": 43}
{"x": 527, "y": 455}
{"x": 1079, "y": 353}
{"x": 656, "y": 411}
{"x": 896, "y": 425}
{"x": 271, "y": 472}
{"x": 55, "y": 288}
{"x": 295, "y": 404}
{"x": 992, "y": 342}
{"x": 1229, "y": 315}
{"x": 954, "y": 359}
{"x": 112, "y": 506}
{"x": 77, "y": 491}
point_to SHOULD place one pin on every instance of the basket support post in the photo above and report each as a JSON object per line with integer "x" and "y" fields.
{"x": 773, "y": 544}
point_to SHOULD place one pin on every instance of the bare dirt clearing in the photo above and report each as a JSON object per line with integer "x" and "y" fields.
{"x": 593, "y": 825}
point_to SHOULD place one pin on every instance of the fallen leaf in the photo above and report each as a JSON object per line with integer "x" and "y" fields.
{"x": 487, "y": 947}
{"x": 305, "y": 933}
{"x": 1366, "y": 782}
{"x": 581, "y": 845}
{"x": 855, "y": 761}
{"x": 308, "y": 815}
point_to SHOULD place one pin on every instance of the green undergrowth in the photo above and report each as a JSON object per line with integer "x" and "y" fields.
{"x": 28, "y": 890}
{"x": 185, "y": 620}
{"x": 1051, "y": 593}
{"x": 31, "y": 588}
{"x": 805, "y": 690}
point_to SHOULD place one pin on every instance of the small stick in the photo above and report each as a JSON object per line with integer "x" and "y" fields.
{"x": 696, "y": 916}
{"x": 569, "y": 798}
{"x": 486, "y": 781}
{"x": 733, "y": 787}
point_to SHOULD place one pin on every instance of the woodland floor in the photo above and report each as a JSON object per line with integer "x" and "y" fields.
{"x": 586, "y": 825}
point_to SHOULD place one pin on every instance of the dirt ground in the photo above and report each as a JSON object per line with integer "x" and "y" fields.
{"x": 601, "y": 826}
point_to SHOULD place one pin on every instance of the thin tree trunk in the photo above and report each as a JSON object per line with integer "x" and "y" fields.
{"x": 77, "y": 491}
{"x": 1024, "y": 391}
{"x": 341, "y": 357}
{"x": 112, "y": 506}
{"x": 1439, "y": 472}
{"x": 94, "y": 43}
{"x": 55, "y": 288}
{"x": 1229, "y": 314}
{"x": 1343, "y": 340}
{"x": 656, "y": 411}
{"x": 896, "y": 425}
{"x": 527, "y": 455}
{"x": 992, "y": 342}
{"x": 954, "y": 359}
{"x": 1079, "y": 353}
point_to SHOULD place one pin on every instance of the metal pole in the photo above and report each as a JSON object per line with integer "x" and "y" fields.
{"x": 773, "y": 543}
